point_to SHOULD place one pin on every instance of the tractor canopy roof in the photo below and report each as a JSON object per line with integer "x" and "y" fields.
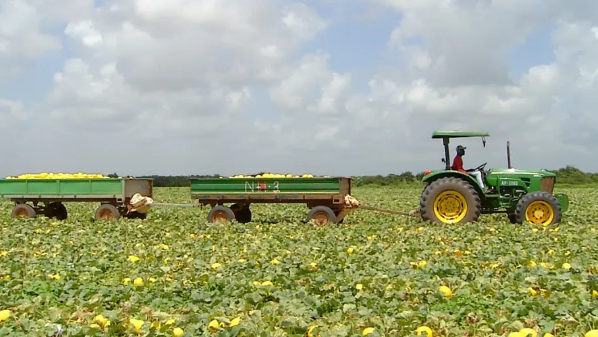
{"x": 458, "y": 134}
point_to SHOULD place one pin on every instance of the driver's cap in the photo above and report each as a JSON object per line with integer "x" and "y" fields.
{"x": 461, "y": 147}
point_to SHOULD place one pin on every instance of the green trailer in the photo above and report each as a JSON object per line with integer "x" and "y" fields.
{"x": 46, "y": 197}
{"x": 325, "y": 197}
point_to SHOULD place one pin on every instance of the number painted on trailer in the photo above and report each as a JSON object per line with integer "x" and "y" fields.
{"x": 262, "y": 186}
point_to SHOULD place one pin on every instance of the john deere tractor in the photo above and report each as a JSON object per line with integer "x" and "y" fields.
{"x": 453, "y": 197}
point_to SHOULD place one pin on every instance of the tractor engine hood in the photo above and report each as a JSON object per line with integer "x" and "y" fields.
{"x": 544, "y": 173}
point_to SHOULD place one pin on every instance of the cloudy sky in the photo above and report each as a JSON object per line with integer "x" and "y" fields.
{"x": 337, "y": 87}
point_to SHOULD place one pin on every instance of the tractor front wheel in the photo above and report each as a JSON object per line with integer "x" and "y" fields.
{"x": 450, "y": 201}
{"x": 538, "y": 208}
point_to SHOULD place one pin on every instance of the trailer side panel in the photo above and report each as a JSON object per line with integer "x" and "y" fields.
{"x": 267, "y": 186}
{"x": 75, "y": 189}
{"x": 141, "y": 186}
{"x": 60, "y": 187}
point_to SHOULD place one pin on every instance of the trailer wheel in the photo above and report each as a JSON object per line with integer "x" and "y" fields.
{"x": 322, "y": 216}
{"x": 136, "y": 215}
{"x": 23, "y": 211}
{"x": 56, "y": 210}
{"x": 107, "y": 212}
{"x": 242, "y": 214}
{"x": 220, "y": 213}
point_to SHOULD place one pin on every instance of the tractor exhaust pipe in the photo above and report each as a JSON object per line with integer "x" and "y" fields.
{"x": 509, "y": 154}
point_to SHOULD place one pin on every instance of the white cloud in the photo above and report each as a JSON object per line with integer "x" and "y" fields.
{"x": 302, "y": 20}
{"x": 21, "y": 37}
{"x": 11, "y": 113}
{"x": 99, "y": 99}
{"x": 84, "y": 31}
{"x": 196, "y": 44}
{"x": 156, "y": 86}
{"x": 465, "y": 42}
{"x": 311, "y": 86}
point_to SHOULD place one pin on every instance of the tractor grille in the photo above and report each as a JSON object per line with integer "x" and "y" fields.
{"x": 547, "y": 184}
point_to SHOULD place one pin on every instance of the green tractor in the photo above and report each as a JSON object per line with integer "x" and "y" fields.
{"x": 453, "y": 197}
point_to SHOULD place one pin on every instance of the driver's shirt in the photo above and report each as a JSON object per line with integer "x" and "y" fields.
{"x": 458, "y": 164}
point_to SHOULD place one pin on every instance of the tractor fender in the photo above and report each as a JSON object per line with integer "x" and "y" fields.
{"x": 430, "y": 178}
{"x": 563, "y": 200}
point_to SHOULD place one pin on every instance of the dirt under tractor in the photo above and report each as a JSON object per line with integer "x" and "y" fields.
{"x": 453, "y": 197}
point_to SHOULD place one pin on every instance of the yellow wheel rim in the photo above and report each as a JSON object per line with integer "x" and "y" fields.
{"x": 539, "y": 212}
{"x": 450, "y": 207}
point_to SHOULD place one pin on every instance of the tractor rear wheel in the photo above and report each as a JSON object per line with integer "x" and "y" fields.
{"x": 538, "y": 208}
{"x": 450, "y": 201}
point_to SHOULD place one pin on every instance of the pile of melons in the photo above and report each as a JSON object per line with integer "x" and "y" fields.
{"x": 45, "y": 175}
{"x": 273, "y": 175}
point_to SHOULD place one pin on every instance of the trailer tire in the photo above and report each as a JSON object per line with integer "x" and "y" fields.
{"x": 322, "y": 216}
{"x": 242, "y": 214}
{"x": 56, "y": 210}
{"x": 220, "y": 213}
{"x": 136, "y": 215}
{"x": 23, "y": 211}
{"x": 107, "y": 212}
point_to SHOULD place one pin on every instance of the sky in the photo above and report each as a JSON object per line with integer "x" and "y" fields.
{"x": 328, "y": 87}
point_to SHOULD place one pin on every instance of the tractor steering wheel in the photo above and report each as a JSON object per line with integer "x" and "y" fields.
{"x": 479, "y": 168}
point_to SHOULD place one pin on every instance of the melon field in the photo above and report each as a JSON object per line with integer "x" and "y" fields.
{"x": 174, "y": 274}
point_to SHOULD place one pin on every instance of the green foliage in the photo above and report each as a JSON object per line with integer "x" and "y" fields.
{"x": 574, "y": 176}
{"x": 316, "y": 281}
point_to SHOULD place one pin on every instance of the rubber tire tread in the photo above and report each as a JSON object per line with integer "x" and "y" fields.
{"x": 230, "y": 214}
{"x": 326, "y": 209}
{"x": 57, "y": 210}
{"x": 30, "y": 211}
{"x": 242, "y": 215}
{"x": 136, "y": 215}
{"x": 534, "y": 196}
{"x": 474, "y": 203}
{"x": 111, "y": 208}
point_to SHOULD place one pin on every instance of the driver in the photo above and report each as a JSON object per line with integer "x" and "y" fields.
{"x": 458, "y": 165}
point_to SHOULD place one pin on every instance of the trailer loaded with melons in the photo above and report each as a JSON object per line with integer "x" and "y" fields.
{"x": 327, "y": 198}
